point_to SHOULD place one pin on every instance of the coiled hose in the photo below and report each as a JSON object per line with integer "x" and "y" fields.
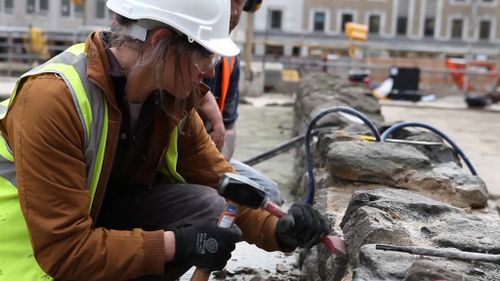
{"x": 307, "y": 141}
{"x": 455, "y": 147}
{"x": 309, "y": 198}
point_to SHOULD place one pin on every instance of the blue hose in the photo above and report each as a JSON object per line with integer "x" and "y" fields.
{"x": 398, "y": 126}
{"x": 307, "y": 140}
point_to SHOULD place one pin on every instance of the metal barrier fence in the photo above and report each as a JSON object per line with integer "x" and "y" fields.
{"x": 435, "y": 77}
{"x": 15, "y": 60}
{"x": 14, "y": 55}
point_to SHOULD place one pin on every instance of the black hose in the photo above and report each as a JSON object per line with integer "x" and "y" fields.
{"x": 457, "y": 149}
{"x": 310, "y": 175}
{"x": 281, "y": 148}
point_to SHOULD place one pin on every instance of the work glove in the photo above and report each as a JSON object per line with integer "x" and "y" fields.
{"x": 206, "y": 245}
{"x": 302, "y": 227}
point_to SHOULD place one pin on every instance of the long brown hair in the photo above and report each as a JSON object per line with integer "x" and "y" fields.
{"x": 181, "y": 47}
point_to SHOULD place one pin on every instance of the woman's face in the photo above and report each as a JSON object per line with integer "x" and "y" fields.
{"x": 171, "y": 64}
{"x": 194, "y": 65}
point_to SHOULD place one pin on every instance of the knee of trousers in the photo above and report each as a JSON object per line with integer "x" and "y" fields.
{"x": 210, "y": 202}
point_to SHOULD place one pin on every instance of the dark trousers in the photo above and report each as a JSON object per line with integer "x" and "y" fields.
{"x": 162, "y": 207}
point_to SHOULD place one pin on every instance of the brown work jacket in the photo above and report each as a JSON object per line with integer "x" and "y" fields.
{"x": 45, "y": 133}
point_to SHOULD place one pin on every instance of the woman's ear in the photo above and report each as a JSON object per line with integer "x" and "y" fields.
{"x": 160, "y": 34}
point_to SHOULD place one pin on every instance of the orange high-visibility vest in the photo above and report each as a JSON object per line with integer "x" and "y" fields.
{"x": 227, "y": 69}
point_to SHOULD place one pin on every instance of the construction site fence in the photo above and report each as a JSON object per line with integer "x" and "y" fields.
{"x": 434, "y": 76}
{"x": 15, "y": 60}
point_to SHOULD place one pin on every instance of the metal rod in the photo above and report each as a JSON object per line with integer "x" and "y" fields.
{"x": 444, "y": 253}
{"x": 281, "y": 148}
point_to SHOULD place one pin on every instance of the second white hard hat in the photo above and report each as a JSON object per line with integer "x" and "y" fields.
{"x": 204, "y": 21}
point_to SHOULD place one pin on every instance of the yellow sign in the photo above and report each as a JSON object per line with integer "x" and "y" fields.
{"x": 356, "y": 31}
{"x": 37, "y": 43}
{"x": 290, "y": 75}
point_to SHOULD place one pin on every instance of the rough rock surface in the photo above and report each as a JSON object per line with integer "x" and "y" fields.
{"x": 389, "y": 193}
{"x": 404, "y": 166}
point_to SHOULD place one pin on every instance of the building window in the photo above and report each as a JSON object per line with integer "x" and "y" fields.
{"x": 345, "y": 19}
{"x": 101, "y": 9}
{"x": 319, "y": 21}
{"x": 40, "y": 7}
{"x": 65, "y": 8}
{"x": 71, "y": 9}
{"x": 7, "y": 6}
{"x": 79, "y": 10}
{"x": 402, "y": 17}
{"x": 402, "y": 25}
{"x": 30, "y": 7}
{"x": 275, "y": 19}
{"x": 44, "y": 7}
{"x": 457, "y": 26}
{"x": 431, "y": 7}
{"x": 484, "y": 30}
{"x": 374, "y": 24}
{"x": 429, "y": 24}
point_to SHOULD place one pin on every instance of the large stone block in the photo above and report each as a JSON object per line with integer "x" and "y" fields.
{"x": 404, "y": 166}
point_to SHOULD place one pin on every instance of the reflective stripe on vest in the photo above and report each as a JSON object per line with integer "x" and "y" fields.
{"x": 169, "y": 170}
{"x": 227, "y": 69}
{"x": 16, "y": 254}
{"x": 90, "y": 103}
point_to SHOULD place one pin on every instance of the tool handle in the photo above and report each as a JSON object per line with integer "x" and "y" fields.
{"x": 334, "y": 244}
{"x": 200, "y": 275}
{"x": 225, "y": 221}
{"x": 273, "y": 208}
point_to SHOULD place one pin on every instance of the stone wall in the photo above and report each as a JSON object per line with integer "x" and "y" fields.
{"x": 408, "y": 194}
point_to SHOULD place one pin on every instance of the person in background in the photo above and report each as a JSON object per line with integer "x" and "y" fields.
{"x": 107, "y": 170}
{"x": 219, "y": 108}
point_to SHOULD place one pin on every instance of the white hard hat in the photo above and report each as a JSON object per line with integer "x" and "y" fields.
{"x": 204, "y": 21}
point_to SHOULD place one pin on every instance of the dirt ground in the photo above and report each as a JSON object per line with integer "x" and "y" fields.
{"x": 476, "y": 132}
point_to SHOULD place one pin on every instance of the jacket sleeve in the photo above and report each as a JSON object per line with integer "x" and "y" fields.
{"x": 200, "y": 162}
{"x": 45, "y": 133}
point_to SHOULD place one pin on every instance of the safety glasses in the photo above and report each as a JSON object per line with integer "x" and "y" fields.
{"x": 210, "y": 59}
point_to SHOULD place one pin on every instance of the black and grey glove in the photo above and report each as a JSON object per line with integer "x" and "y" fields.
{"x": 206, "y": 245}
{"x": 303, "y": 226}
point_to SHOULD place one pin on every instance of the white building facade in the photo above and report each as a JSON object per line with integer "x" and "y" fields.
{"x": 295, "y": 27}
